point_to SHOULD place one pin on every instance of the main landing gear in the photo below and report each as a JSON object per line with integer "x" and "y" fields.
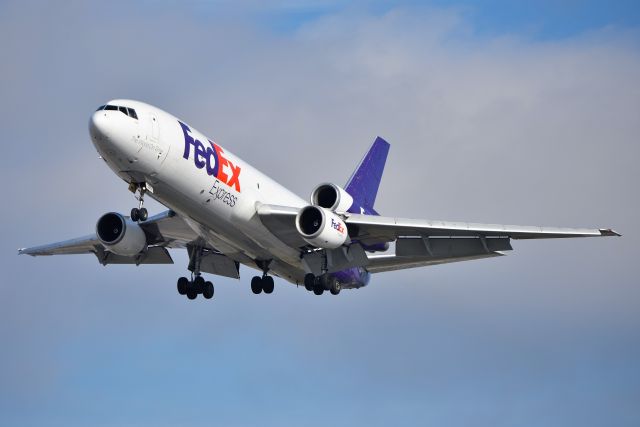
{"x": 139, "y": 214}
{"x": 192, "y": 288}
{"x": 197, "y": 285}
{"x": 262, "y": 283}
{"x": 319, "y": 284}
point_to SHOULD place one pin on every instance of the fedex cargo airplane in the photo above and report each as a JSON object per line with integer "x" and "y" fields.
{"x": 225, "y": 213}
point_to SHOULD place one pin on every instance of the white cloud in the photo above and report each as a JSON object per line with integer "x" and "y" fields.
{"x": 489, "y": 129}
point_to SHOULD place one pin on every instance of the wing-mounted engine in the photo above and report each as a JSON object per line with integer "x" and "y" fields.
{"x": 332, "y": 197}
{"x": 321, "y": 227}
{"x": 119, "y": 235}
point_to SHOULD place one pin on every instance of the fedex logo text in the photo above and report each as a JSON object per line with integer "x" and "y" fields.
{"x": 211, "y": 158}
{"x": 337, "y": 226}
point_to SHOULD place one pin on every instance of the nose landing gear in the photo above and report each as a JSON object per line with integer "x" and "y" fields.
{"x": 140, "y": 213}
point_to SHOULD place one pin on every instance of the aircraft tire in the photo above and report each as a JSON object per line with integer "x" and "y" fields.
{"x": 256, "y": 284}
{"x": 208, "y": 290}
{"x": 183, "y": 283}
{"x": 143, "y": 214}
{"x": 192, "y": 294}
{"x": 326, "y": 281}
{"x": 309, "y": 281}
{"x": 318, "y": 289}
{"x": 135, "y": 214}
{"x": 268, "y": 284}
{"x": 336, "y": 287}
{"x": 198, "y": 284}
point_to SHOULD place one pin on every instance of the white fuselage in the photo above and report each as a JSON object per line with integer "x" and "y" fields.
{"x": 215, "y": 192}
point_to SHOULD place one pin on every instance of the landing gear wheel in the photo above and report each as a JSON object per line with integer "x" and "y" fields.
{"x": 135, "y": 214}
{"x": 143, "y": 214}
{"x": 192, "y": 295}
{"x": 198, "y": 284}
{"x": 207, "y": 292}
{"x": 309, "y": 281}
{"x": 318, "y": 289}
{"x": 336, "y": 287}
{"x": 183, "y": 283}
{"x": 256, "y": 284}
{"x": 267, "y": 284}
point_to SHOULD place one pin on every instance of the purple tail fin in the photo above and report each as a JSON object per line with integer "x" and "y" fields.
{"x": 363, "y": 184}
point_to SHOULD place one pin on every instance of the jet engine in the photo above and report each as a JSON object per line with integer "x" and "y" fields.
{"x": 120, "y": 235}
{"x": 332, "y": 197}
{"x": 321, "y": 227}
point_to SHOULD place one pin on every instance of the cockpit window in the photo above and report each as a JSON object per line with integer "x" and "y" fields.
{"x": 124, "y": 110}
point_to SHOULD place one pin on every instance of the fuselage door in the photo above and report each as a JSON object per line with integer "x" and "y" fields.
{"x": 151, "y": 142}
{"x": 155, "y": 127}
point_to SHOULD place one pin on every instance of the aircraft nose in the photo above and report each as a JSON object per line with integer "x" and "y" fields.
{"x": 99, "y": 126}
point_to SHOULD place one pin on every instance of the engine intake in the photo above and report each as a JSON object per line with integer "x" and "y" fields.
{"x": 119, "y": 235}
{"x": 332, "y": 197}
{"x": 321, "y": 228}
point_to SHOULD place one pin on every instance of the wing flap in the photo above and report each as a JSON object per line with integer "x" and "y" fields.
{"x": 221, "y": 265}
{"x": 153, "y": 255}
{"x": 385, "y": 262}
{"x": 419, "y": 252}
{"x": 439, "y": 247}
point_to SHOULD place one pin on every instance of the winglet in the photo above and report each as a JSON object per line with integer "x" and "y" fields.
{"x": 607, "y": 232}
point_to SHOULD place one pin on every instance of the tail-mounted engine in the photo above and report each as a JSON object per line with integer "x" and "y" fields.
{"x": 332, "y": 197}
{"x": 119, "y": 235}
{"x": 321, "y": 227}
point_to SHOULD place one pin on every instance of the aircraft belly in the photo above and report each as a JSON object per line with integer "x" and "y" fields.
{"x": 228, "y": 230}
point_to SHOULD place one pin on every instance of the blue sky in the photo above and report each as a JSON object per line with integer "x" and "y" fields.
{"x": 496, "y": 112}
{"x": 543, "y": 19}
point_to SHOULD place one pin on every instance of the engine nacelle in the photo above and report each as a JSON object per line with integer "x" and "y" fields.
{"x": 332, "y": 197}
{"x": 321, "y": 228}
{"x": 119, "y": 235}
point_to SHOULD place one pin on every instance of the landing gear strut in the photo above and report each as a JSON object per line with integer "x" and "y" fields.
{"x": 324, "y": 282}
{"x": 140, "y": 213}
{"x": 262, "y": 283}
{"x": 197, "y": 284}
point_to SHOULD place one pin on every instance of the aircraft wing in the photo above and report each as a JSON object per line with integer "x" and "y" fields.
{"x": 165, "y": 230}
{"x": 418, "y": 243}
{"x": 372, "y": 230}
{"x": 377, "y": 229}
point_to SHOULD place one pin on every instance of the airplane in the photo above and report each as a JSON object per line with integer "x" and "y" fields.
{"x": 226, "y": 213}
